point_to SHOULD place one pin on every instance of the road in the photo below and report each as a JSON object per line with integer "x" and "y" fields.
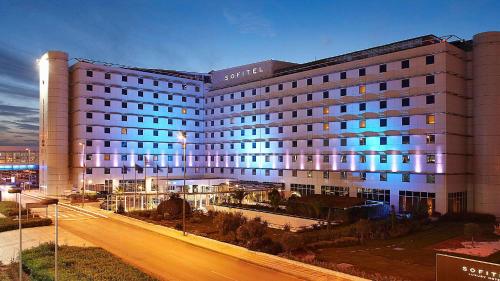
{"x": 160, "y": 256}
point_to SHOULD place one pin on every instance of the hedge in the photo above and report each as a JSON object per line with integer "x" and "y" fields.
{"x": 7, "y": 224}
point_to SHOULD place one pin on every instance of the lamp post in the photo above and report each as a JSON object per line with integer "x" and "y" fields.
{"x": 182, "y": 137}
{"x": 17, "y": 191}
{"x": 84, "y": 165}
{"x": 27, "y": 163}
{"x": 54, "y": 202}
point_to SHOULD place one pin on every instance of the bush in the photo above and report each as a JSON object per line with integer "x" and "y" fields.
{"x": 265, "y": 244}
{"x": 469, "y": 217}
{"x": 345, "y": 241}
{"x": 120, "y": 209}
{"x": 77, "y": 198}
{"x": 195, "y": 220}
{"x": 292, "y": 242}
{"x": 7, "y": 224}
{"x": 253, "y": 229}
{"x": 172, "y": 208}
{"x": 228, "y": 222}
{"x": 178, "y": 226}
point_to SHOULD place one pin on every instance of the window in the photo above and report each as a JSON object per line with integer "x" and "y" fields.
{"x": 89, "y": 88}
{"x": 405, "y": 102}
{"x": 309, "y": 112}
{"x": 405, "y": 139}
{"x": 107, "y": 103}
{"x": 140, "y": 80}
{"x": 89, "y": 101}
{"x": 326, "y": 126}
{"x": 107, "y": 143}
{"x": 280, "y": 87}
{"x": 382, "y": 86}
{"x": 309, "y": 81}
{"x": 90, "y": 73}
{"x": 382, "y": 104}
{"x": 430, "y": 119}
{"x": 362, "y": 89}
{"x": 429, "y": 99}
{"x": 405, "y": 121}
{"x": 326, "y": 110}
{"x": 362, "y": 141}
{"x": 107, "y": 130}
{"x": 405, "y": 83}
{"x": 124, "y": 131}
{"x": 124, "y": 92}
{"x": 405, "y": 64}
{"x": 326, "y": 78}
{"x": 383, "y": 140}
{"x": 107, "y": 89}
{"x": 362, "y": 72}
{"x": 326, "y": 142}
{"x": 343, "y": 158}
{"x": 89, "y": 115}
{"x": 294, "y": 99}
{"x": 429, "y": 59}
{"x": 294, "y": 84}
{"x": 267, "y": 89}
{"x": 124, "y": 117}
{"x": 405, "y": 177}
{"x": 431, "y": 179}
{"x": 362, "y": 159}
{"x": 381, "y": 195}
{"x": 155, "y": 83}
{"x": 343, "y": 75}
{"x": 309, "y": 127}
{"x": 107, "y": 116}
{"x": 140, "y": 132}
{"x": 382, "y": 68}
{"x": 383, "y": 122}
{"x": 362, "y": 123}
{"x": 309, "y": 97}
{"x": 89, "y": 129}
{"x": 302, "y": 189}
{"x": 309, "y": 143}
{"x": 124, "y": 144}
{"x": 406, "y": 158}
{"x": 343, "y": 92}
{"x": 343, "y": 125}
{"x": 343, "y": 142}
{"x": 343, "y": 108}
{"x": 124, "y": 105}
{"x": 325, "y": 94}
{"x": 431, "y": 159}
{"x": 430, "y": 139}
{"x": 429, "y": 79}
{"x": 383, "y": 176}
{"x": 107, "y": 75}
{"x": 362, "y": 106}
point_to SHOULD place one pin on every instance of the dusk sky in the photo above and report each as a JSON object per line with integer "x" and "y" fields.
{"x": 205, "y": 35}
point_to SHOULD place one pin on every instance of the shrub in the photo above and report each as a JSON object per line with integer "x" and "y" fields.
{"x": 469, "y": 217}
{"x": 286, "y": 227}
{"x": 292, "y": 242}
{"x": 172, "y": 208}
{"x": 345, "y": 241}
{"x": 228, "y": 222}
{"x": 196, "y": 219}
{"x": 120, "y": 209}
{"x": 253, "y": 229}
{"x": 274, "y": 198}
{"x": 178, "y": 226}
{"x": 265, "y": 244}
{"x": 8, "y": 224}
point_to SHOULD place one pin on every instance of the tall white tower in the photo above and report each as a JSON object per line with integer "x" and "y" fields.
{"x": 53, "y": 132}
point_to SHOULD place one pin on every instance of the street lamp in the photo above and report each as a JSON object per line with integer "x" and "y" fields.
{"x": 54, "y": 202}
{"x": 84, "y": 165}
{"x": 17, "y": 191}
{"x": 182, "y": 137}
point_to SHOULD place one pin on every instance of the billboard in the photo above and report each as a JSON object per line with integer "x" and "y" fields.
{"x": 451, "y": 268}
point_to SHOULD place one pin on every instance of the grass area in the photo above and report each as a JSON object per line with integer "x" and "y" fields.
{"x": 411, "y": 257}
{"x": 7, "y": 208}
{"x": 78, "y": 263}
{"x": 10, "y": 210}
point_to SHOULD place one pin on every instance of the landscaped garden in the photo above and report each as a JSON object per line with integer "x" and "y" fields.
{"x": 75, "y": 263}
{"x": 10, "y": 212}
{"x": 404, "y": 249}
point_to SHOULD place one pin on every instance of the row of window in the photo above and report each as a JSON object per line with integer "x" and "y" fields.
{"x": 156, "y": 95}
{"x": 140, "y": 80}
{"x": 405, "y": 83}
{"x": 405, "y": 64}
{"x": 140, "y": 119}
{"x": 140, "y": 106}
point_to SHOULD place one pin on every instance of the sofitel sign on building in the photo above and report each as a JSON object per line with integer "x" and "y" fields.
{"x": 450, "y": 268}
{"x": 247, "y": 73}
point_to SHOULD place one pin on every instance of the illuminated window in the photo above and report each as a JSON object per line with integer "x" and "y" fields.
{"x": 362, "y": 141}
{"x": 326, "y": 126}
{"x": 326, "y": 110}
{"x": 406, "y": 158}
{"x": 294, "y": 158}
{"x": 124, "y": 131}
{"x": 430, "y": 139}
{"x": 309, "y": 158}
{"x": 309, "y": 174}
{"x": 405, "y": 177}
{"x": 294, "y": 173}
{"x": 431, "y": 178}
{"x": 184, "y": 111}
{"x": 431, "y": 158}
{"x": 343, "y": 158}
{"x": 362, "y": 159}
{"x": 431, "y": 119}
{"x": 362, "y": 89}
{"x": 362, "y": 123}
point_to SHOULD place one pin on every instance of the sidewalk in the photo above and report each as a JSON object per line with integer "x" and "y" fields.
{"x": 32, "y": 237}
{"x": 301, "y": 270}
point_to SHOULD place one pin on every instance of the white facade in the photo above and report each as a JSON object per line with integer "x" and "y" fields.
{"x": 391, "y": 123}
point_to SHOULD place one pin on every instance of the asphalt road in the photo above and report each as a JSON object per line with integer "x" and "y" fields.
{"x": 160, "y": 256}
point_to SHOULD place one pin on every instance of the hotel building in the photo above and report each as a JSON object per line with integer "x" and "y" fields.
{"x": 408, "y": 122}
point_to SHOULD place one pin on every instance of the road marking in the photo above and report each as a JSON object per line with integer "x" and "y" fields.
{"x": 222, "y": 275}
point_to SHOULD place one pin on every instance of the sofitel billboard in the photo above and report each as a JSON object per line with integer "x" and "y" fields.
{"x": 450, "y": 268}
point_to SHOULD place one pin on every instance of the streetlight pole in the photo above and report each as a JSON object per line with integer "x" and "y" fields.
{"x": 56, "y": 203}
{"x": 17, "y": 191}
{"x": 27, "y": 163}
{"x": 84, "y": 165}
{"x": 183, "y": 138}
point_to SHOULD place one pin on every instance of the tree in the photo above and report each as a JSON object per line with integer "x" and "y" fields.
{"x": 239, "y": 194}
{"x": 393, "y": 217}
{"x": 471, "y": 230}
{"x": 291, "y": 242}
{"x": 362, "y": 229}
{"x": 274, "y": 198}
{"x": 172, "y": 208}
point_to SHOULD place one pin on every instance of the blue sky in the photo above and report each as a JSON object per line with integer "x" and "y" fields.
{"x": 205, "y": 35}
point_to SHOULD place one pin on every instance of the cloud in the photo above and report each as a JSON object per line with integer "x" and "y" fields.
{"x": 250, "y": 23}
{"x": 16, "y": 111}
{"x": 16, "y": 66}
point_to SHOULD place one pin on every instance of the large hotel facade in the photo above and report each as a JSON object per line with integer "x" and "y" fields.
{"x": 408, "y": 122}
